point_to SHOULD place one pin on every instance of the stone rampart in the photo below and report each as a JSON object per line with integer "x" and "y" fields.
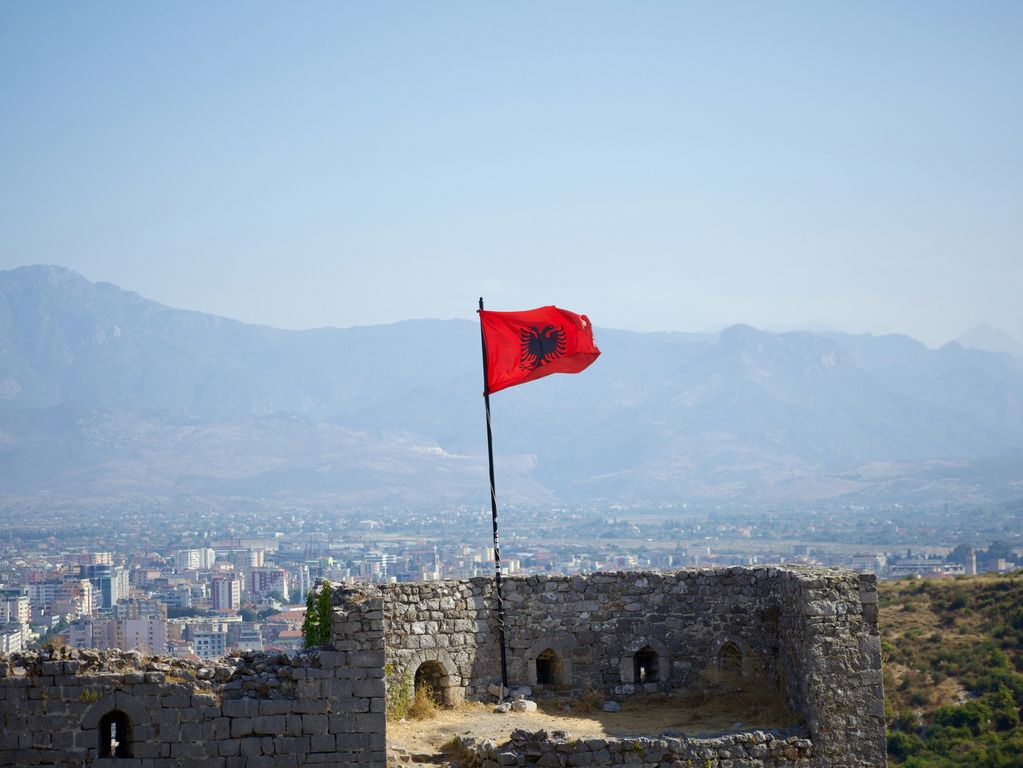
{"x": 90, "y": 708}
{"x": 810, "y": 633}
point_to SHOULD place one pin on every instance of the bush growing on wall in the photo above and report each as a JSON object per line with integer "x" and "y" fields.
{"x": 400, "y": 692}
{"x": 316, "y": 626}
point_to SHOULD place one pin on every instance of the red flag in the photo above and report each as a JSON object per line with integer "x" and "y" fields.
{"x": 523, "y": 346}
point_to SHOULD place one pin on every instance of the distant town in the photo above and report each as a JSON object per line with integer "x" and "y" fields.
{"x": 216, "y": 582}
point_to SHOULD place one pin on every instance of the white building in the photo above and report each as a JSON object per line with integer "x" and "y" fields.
{"x": 43, "y": 594}
{"x": 250, "y": 638}
{"x": 12, "y": 637}
{"x": 209, "y": 644}
{"x": 146, "y": 635}
{"x": 74, "y": 596}
{"x": 227, "y": 594}
{"x": 868, "y": 563}
{"x": 96, "y": 558}
{"x": 264, "y": 581}
{"x": 79, "y": 634}
{"x": 175, "y": 596}
{"x": 14, "y": 605}
{"x": 926, "y": 567}
{"x": 195, "y": 559}
{"x": 301, "y": 580}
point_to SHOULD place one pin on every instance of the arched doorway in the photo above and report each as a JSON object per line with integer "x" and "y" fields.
{"x": 430, "y": 679}
{"x": 548, "y": 662}
{"x": 730, "y": 664}
{"x": 550, "y": 669}
{"x": 644, "y": 665}
{"x": 115, "y": 734}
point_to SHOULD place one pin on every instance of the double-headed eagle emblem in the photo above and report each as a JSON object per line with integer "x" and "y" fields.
{"x": 540, "y": 346}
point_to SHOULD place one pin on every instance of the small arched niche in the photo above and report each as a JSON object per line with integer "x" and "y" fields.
{"x": 432, "y": 679}
{"x": 645, "y": 666}
{"x": 550, "y": 668}
{"x": 114, "y": 734}
{"x": 730, "y": 664}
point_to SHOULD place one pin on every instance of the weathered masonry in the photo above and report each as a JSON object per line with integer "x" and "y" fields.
{"x": 808, "y": 632}
{"x": 93, "y": 708}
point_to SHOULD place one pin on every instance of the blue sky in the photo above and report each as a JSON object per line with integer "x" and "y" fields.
{"x": 657, "y": 165}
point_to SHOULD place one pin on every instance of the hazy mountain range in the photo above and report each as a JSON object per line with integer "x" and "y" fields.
{"x": 104, "y": 393}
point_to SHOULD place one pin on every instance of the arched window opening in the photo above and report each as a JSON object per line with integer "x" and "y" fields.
{"x": 549, "y": 668}
{"x": 430, "y": 680}
{"x": 730, "y": 663}
{"x": 644, "y": 665}
{"x": 115, "y": 735}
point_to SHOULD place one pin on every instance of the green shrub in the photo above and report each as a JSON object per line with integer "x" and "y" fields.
{"x": 902, "y": 745}
{"x": 316, "y": 625}
{"x": 972, "y": 715}
{"x": 399, "y": 693}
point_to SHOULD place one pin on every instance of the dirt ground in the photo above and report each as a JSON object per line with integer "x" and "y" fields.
{"x": 652, "y": 716}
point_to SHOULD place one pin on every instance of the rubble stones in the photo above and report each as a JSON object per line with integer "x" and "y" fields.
{"x": 757, "y": 749}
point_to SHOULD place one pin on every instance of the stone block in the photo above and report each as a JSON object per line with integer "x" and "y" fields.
{"x": 241, "y": 726}
{"x": 250, "y": 746}
{"x": 269, "y": 725}
{"x": 272, "y": 761}
{"x": 322, "y": 743}
{"x": 275, "y": 706}
{"x": 203, "y": 732}
{"x": 241, "y": 708}
{"x": 309, "y": 689}
{"x": 184, "y": 749}
{"x": 371, "y": 659}
{"x": 291, "y": 745}
{"x": 351, "y": 740}
{"x": 314, "y": 724}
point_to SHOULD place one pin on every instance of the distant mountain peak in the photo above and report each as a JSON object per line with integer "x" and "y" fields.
{"x": 53, "y": 273}
{"x": 105, "y": 392}
{"x": 991, "y": 339}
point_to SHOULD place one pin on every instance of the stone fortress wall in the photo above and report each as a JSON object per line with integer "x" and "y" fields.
{"x": 809, "y": 632}
{"x": 107, "y": 708}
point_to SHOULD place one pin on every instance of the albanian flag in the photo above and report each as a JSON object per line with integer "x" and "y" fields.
{"x": 523, "y": 346}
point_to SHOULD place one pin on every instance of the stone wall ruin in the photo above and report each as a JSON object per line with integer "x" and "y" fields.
{"x": 809, "y": 633}
{"x": 121, "y": 710}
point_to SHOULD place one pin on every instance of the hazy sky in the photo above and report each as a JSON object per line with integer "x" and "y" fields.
{"x": 657, "y": 165}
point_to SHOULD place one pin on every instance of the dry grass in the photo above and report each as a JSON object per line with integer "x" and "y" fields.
{"x": 590, "y": 700}
{"x": 687, "y": 712}
{"x": 469, "y": 707}
{"x": 916, "y": 624}
{"x": 638, "y": 703}
{"x": 424, "y": 704}
{"x": 640, "y": 716}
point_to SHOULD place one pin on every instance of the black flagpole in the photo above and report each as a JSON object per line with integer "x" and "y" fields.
{"x": 493, "y": 514}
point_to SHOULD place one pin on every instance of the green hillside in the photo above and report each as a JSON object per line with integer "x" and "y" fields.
{"x": 953, "y": 671}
